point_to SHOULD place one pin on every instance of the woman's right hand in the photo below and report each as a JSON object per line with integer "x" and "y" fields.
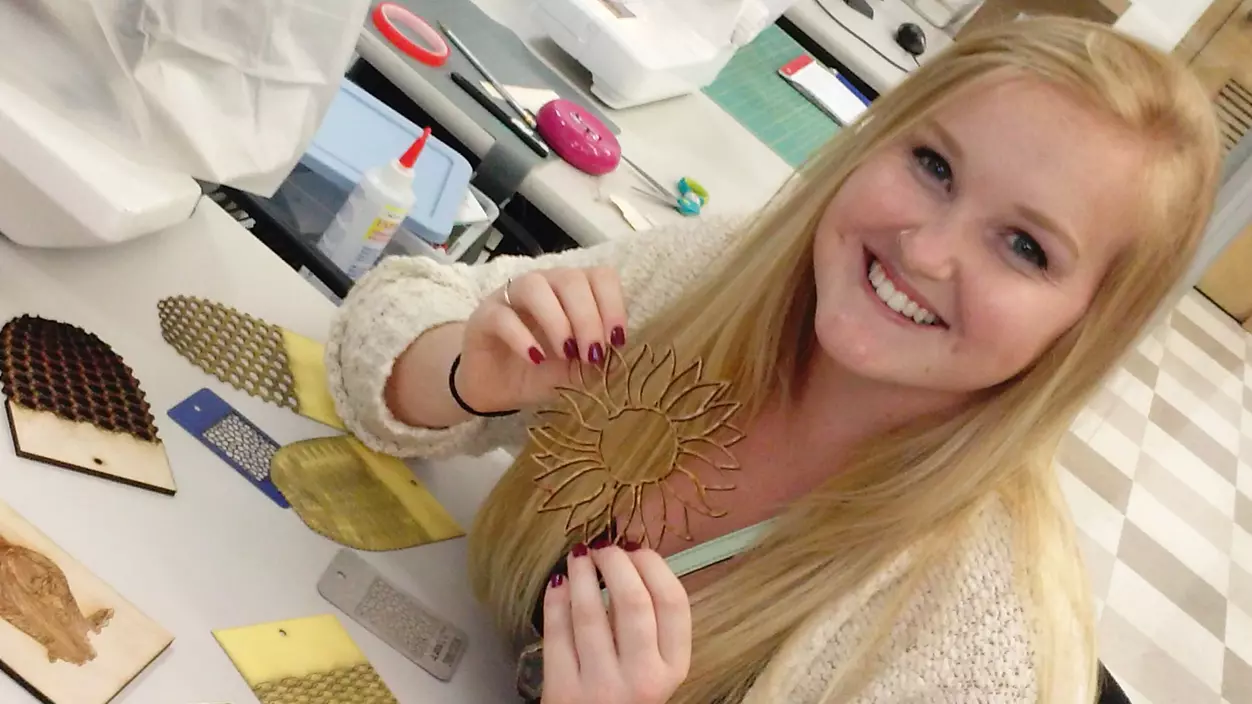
{"x": 528, "y": 336}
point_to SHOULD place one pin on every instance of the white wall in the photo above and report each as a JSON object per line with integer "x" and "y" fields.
{"x": 1161, "y": 22}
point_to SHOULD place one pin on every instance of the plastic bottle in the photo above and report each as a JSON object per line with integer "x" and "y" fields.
{"x": 367, "y": 221}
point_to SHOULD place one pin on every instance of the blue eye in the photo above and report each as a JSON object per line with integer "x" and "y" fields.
{"x": 934, "y": 165}
{"x": 1028, "y": 249}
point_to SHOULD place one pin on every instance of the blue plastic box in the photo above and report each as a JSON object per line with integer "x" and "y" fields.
{"x": 360, "y": 132}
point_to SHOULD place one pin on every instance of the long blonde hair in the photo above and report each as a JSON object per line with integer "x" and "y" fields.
{"x": 751, "y": 321}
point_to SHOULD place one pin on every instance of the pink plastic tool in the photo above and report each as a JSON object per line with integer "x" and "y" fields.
{"x": 578, "y": 137}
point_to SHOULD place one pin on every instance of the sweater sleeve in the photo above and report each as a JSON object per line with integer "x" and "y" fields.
{"x": 405, "y": 296}
{"x": 962, "y": 638}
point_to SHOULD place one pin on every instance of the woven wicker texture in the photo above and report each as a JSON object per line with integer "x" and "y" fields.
{"x": 58, "y": 368}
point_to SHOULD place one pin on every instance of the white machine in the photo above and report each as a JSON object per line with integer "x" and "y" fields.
{"x": 641, "y": 51}
{"x": 110, "y": 110}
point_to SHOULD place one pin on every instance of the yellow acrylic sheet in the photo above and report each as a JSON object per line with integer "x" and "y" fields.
{"x": 303, "y": 661}
{"x": 358, "y": 497}
{"x": 262, "y": 359}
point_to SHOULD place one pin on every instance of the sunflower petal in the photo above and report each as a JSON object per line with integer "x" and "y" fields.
{"x": 709, "y": 452}
{"x": 591, "y": 516}
{"x": 637, "y": 368}
{"x": 688, "y": 376}
{"x": 557, "y": 470}
{"x": 695, "y": 399}
{"x": 589, "y": 411}
{"x": 556, "y": 440}
{"x": 625, "y": 508}
{"x": 685, "y": 486}
{"x": 609, "y": 383}
{"x": 703, "y": 425}
{"x": 574, "y": 488}
{"x": 654, "y": 383}
{"x": 654, "y": 536}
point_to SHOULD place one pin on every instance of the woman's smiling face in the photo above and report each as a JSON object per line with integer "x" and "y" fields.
{"x": 951, "y": 259}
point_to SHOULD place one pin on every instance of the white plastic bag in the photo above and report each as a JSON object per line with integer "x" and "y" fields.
{"x": 228, "y": 91}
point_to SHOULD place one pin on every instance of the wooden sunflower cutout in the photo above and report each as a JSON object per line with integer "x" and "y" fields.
{"x": 638, "y": 441}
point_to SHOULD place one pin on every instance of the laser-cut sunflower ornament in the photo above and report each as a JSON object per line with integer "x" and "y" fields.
{"x": 638, "y": 441}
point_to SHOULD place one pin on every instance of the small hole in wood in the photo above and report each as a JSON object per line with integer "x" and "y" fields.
{"x": 97, "y": 460}
{"x": 282, "y": 633}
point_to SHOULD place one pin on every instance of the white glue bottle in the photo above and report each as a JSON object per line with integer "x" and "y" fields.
{"x": 366, "y": 222}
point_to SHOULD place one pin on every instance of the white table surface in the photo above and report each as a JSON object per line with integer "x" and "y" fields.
{"x": 686, "y": 136}
{"x": 219, "y": 553}
{"x": 850, "y": 47}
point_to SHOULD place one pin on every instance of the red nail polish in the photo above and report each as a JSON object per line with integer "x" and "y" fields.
{"x": 571, "y": 349}
{"x": 618, "y": 336}
{"x": 536, "y": 355}
{"x": 556, "y": 580}
{"x": 579, "y": 550}
{"x": 596, "y": 354}
{"x": 600, "y": 543}
{"x": 631, "y": 545}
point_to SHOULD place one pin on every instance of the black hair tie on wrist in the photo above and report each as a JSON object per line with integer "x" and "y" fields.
{"x": 461, "y": 402}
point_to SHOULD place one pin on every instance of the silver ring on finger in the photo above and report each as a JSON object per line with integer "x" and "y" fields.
{"x": 507, "y": 301}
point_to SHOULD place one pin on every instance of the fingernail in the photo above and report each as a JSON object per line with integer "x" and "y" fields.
{"x": 556, "y": 580}
{"x": 596, "y": 354}
{"x": 618, "y": 336}
{"x": 571, "y": 349}
{"x": 631, "y": 545}
{"x": 579, "y": 550}
{"x": 536, "y": 355}
{"x": 599, "y": 543}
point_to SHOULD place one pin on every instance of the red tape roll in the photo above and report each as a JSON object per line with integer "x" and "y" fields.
{"x": 389, "y": 17}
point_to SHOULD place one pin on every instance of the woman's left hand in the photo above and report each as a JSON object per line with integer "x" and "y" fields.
{"x": 635, "y": 652}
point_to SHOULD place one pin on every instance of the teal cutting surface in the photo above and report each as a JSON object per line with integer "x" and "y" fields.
{"x": 750, "y": 89}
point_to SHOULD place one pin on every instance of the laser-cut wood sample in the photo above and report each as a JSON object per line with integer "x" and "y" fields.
{"x": 274, "y": 364}
{"x": 593, "y": 467}
{"x": 64, "y": 634}
{"x": 357, "y": 497}
{"x": 303, "y": 661}
{"x": 72, "y": 402}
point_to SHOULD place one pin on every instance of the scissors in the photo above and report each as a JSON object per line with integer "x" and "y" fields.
{"x": 689, "y": 200}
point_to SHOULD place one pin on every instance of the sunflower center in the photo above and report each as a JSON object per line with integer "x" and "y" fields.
{"x": 639, "y": 445}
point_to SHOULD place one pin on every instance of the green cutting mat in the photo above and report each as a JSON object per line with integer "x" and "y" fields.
{"x": 750, "y": 89}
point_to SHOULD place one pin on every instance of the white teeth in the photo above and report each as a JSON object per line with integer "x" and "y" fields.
{"x": 895, "y": 299}
{"x": 876, "y": 274}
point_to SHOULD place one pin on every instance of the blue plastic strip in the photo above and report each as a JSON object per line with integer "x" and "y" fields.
{"x": 210, "y": 419}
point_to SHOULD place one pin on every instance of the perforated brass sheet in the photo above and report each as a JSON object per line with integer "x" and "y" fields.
{"x": 262, "y": 359}
{"x": 359, "y": 498}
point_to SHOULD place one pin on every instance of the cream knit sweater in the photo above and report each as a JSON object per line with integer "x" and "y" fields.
{"x": 973, "y": 648}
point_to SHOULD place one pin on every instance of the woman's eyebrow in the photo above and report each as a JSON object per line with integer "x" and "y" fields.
{"x": 1040, "y": 220}
{"x": 946, "y": 140}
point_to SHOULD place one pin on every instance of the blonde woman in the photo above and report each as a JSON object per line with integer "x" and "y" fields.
{"x": 911, "y": 326}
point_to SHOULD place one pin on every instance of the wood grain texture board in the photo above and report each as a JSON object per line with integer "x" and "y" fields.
{"x": 82, "y": 447}
{"x": 73, "y": 402}
{"x": 50, "y": 609}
